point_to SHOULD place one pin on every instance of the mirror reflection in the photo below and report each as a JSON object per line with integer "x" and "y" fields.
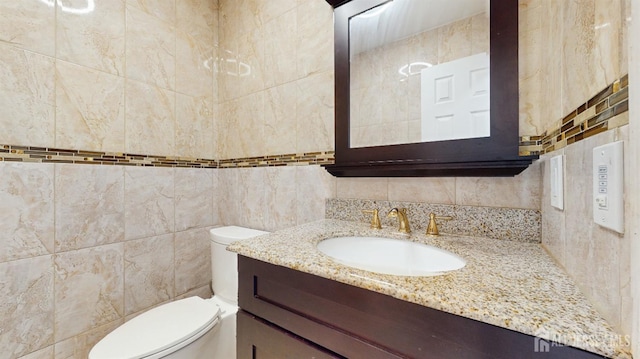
{"x": 419, "y": 72}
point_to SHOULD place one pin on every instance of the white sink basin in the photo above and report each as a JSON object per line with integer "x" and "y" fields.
{"x": 390, "y": 256}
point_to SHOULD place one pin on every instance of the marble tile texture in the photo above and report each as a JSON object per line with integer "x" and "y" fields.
{"x": 26, "y": 203}
{"x": 596, "y": 258}
{"x": 69, "y": 277}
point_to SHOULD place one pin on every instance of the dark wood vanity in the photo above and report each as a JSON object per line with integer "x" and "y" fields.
{"x": 290, "y": 314}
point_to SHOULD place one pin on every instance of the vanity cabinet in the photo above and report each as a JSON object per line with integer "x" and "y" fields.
{"x": 290, "y": 314}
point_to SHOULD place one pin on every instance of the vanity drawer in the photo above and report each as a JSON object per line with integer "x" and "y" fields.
{"x": 358, "y": 323}
{"x": 261, "y": 340}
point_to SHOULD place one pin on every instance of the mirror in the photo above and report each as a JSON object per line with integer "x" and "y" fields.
{"x": 429, "y": 60}
{"x": 394, "y": 88}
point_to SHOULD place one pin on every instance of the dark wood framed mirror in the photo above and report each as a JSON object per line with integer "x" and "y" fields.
{"x": 494, "y": 154}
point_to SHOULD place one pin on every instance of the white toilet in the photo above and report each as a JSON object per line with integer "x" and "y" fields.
{"x": 190, "y": 328}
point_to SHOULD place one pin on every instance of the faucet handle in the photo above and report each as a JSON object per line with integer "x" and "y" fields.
{"x": 375, "y": 218}
{"x": 432, "y": 228}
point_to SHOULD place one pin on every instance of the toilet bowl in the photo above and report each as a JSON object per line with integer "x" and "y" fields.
{"x": 189, "y": 328}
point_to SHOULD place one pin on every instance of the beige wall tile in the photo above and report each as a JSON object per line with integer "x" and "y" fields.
{"x": 150, "y": 115}
{"x": 151, "y": 49}
{"x": 252, "y": 197}
{"x": 314, "y": 185}
{"x": 26, "y": 306}
{"x": 202, "y": 13}
{"x": 272, "y": 9}
{"x": 228, "y": 199}
{"x": 89, "y": 286}
{"x": 239, "y": 17}
{"x": 314, "y": 37}
{"x": 596, "y": 258}
{"x": 80, "y": 345}
{"x": 149, "y": 202}
{"x": 521, "y": 191}
{"x": 280, "y": 198}
{"x": 243, "y": 124}
{"x": 280, "y": 119}
{"x": 89, "y": 109}
{"x": 195, "y": 61}
{"x": 91, "y": 36}
{"x": 362, "y": 188}
{"x": 280, "y": 49}
{"x": 480, "y": 33}
{"x": 217, "y": 206}
{"x": 428, "y": 190}
{"x": 241, "y": 63}
{"x": 193, "y": 260}
{"x": 148, "y": 272}
{"x": 46, "y": 353}
{"x": 28, "y": 25}
{"x": 453, "y": 41}
{"x": 315, "y": 113}
{"x": 164, "y": 10}
{"x": 194, "y": 127}
{"x": 531, "y": 45}
{"x": 203, "y": 292}
{"x": 89, "y": 206}
{"x": 591, "y": 49}
{"x": 250, "y": 74}
{"x": 26, "y": 204}
{"x": 193, "y": 198}
{"x": 27, "y": 98}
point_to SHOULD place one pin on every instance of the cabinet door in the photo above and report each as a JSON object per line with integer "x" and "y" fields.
{"x": 257, "y": 339}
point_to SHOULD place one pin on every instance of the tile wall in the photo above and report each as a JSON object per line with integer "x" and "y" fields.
{"x": 120, "y": 76}
{"x": 276, "y": 79}
{"x": 568, "y": 83}
{"x": 84, "y": 248}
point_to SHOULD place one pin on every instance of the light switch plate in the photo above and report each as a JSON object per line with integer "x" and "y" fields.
{"x": 608, "y": 186}
{"x": 557, "y": 182}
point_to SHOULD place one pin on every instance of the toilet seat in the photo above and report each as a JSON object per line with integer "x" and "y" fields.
{"x": 159, "y": 331}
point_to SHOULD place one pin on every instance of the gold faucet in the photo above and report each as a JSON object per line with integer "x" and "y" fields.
{"x": 432, "y": 228}
{"x": 375, "y": 219}
{"x": 403, "y": 222}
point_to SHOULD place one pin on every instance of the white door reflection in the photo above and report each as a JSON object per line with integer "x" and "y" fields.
{"x": 455, "y": 99}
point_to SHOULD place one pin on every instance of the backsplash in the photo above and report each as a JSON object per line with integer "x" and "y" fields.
{"x": 522, "y": 225}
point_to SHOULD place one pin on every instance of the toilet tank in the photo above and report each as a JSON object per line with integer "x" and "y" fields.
{"x": 224, "y": 264}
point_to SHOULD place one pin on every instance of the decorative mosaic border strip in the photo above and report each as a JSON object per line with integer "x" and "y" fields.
{"x": 605, "y": 111}
{"x": 309, "y": 158}
{"x": 522, "y": 225}
{"x": 530, "y": 145}
{"x": 11, "y": 153}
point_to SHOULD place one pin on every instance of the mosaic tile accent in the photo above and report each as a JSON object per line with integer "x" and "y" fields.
{"x": 522, "y": 225}
{"x": 309, "y": 158}
{"x": 606, "y": 110}
{"x": 529, "y": 145}
{"x": 11, "y": 153}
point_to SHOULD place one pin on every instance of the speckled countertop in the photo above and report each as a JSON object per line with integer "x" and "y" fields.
{"x": 509, "y": 284}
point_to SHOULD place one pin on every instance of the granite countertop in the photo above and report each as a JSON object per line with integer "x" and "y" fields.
{"x": 509, "y": 284}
